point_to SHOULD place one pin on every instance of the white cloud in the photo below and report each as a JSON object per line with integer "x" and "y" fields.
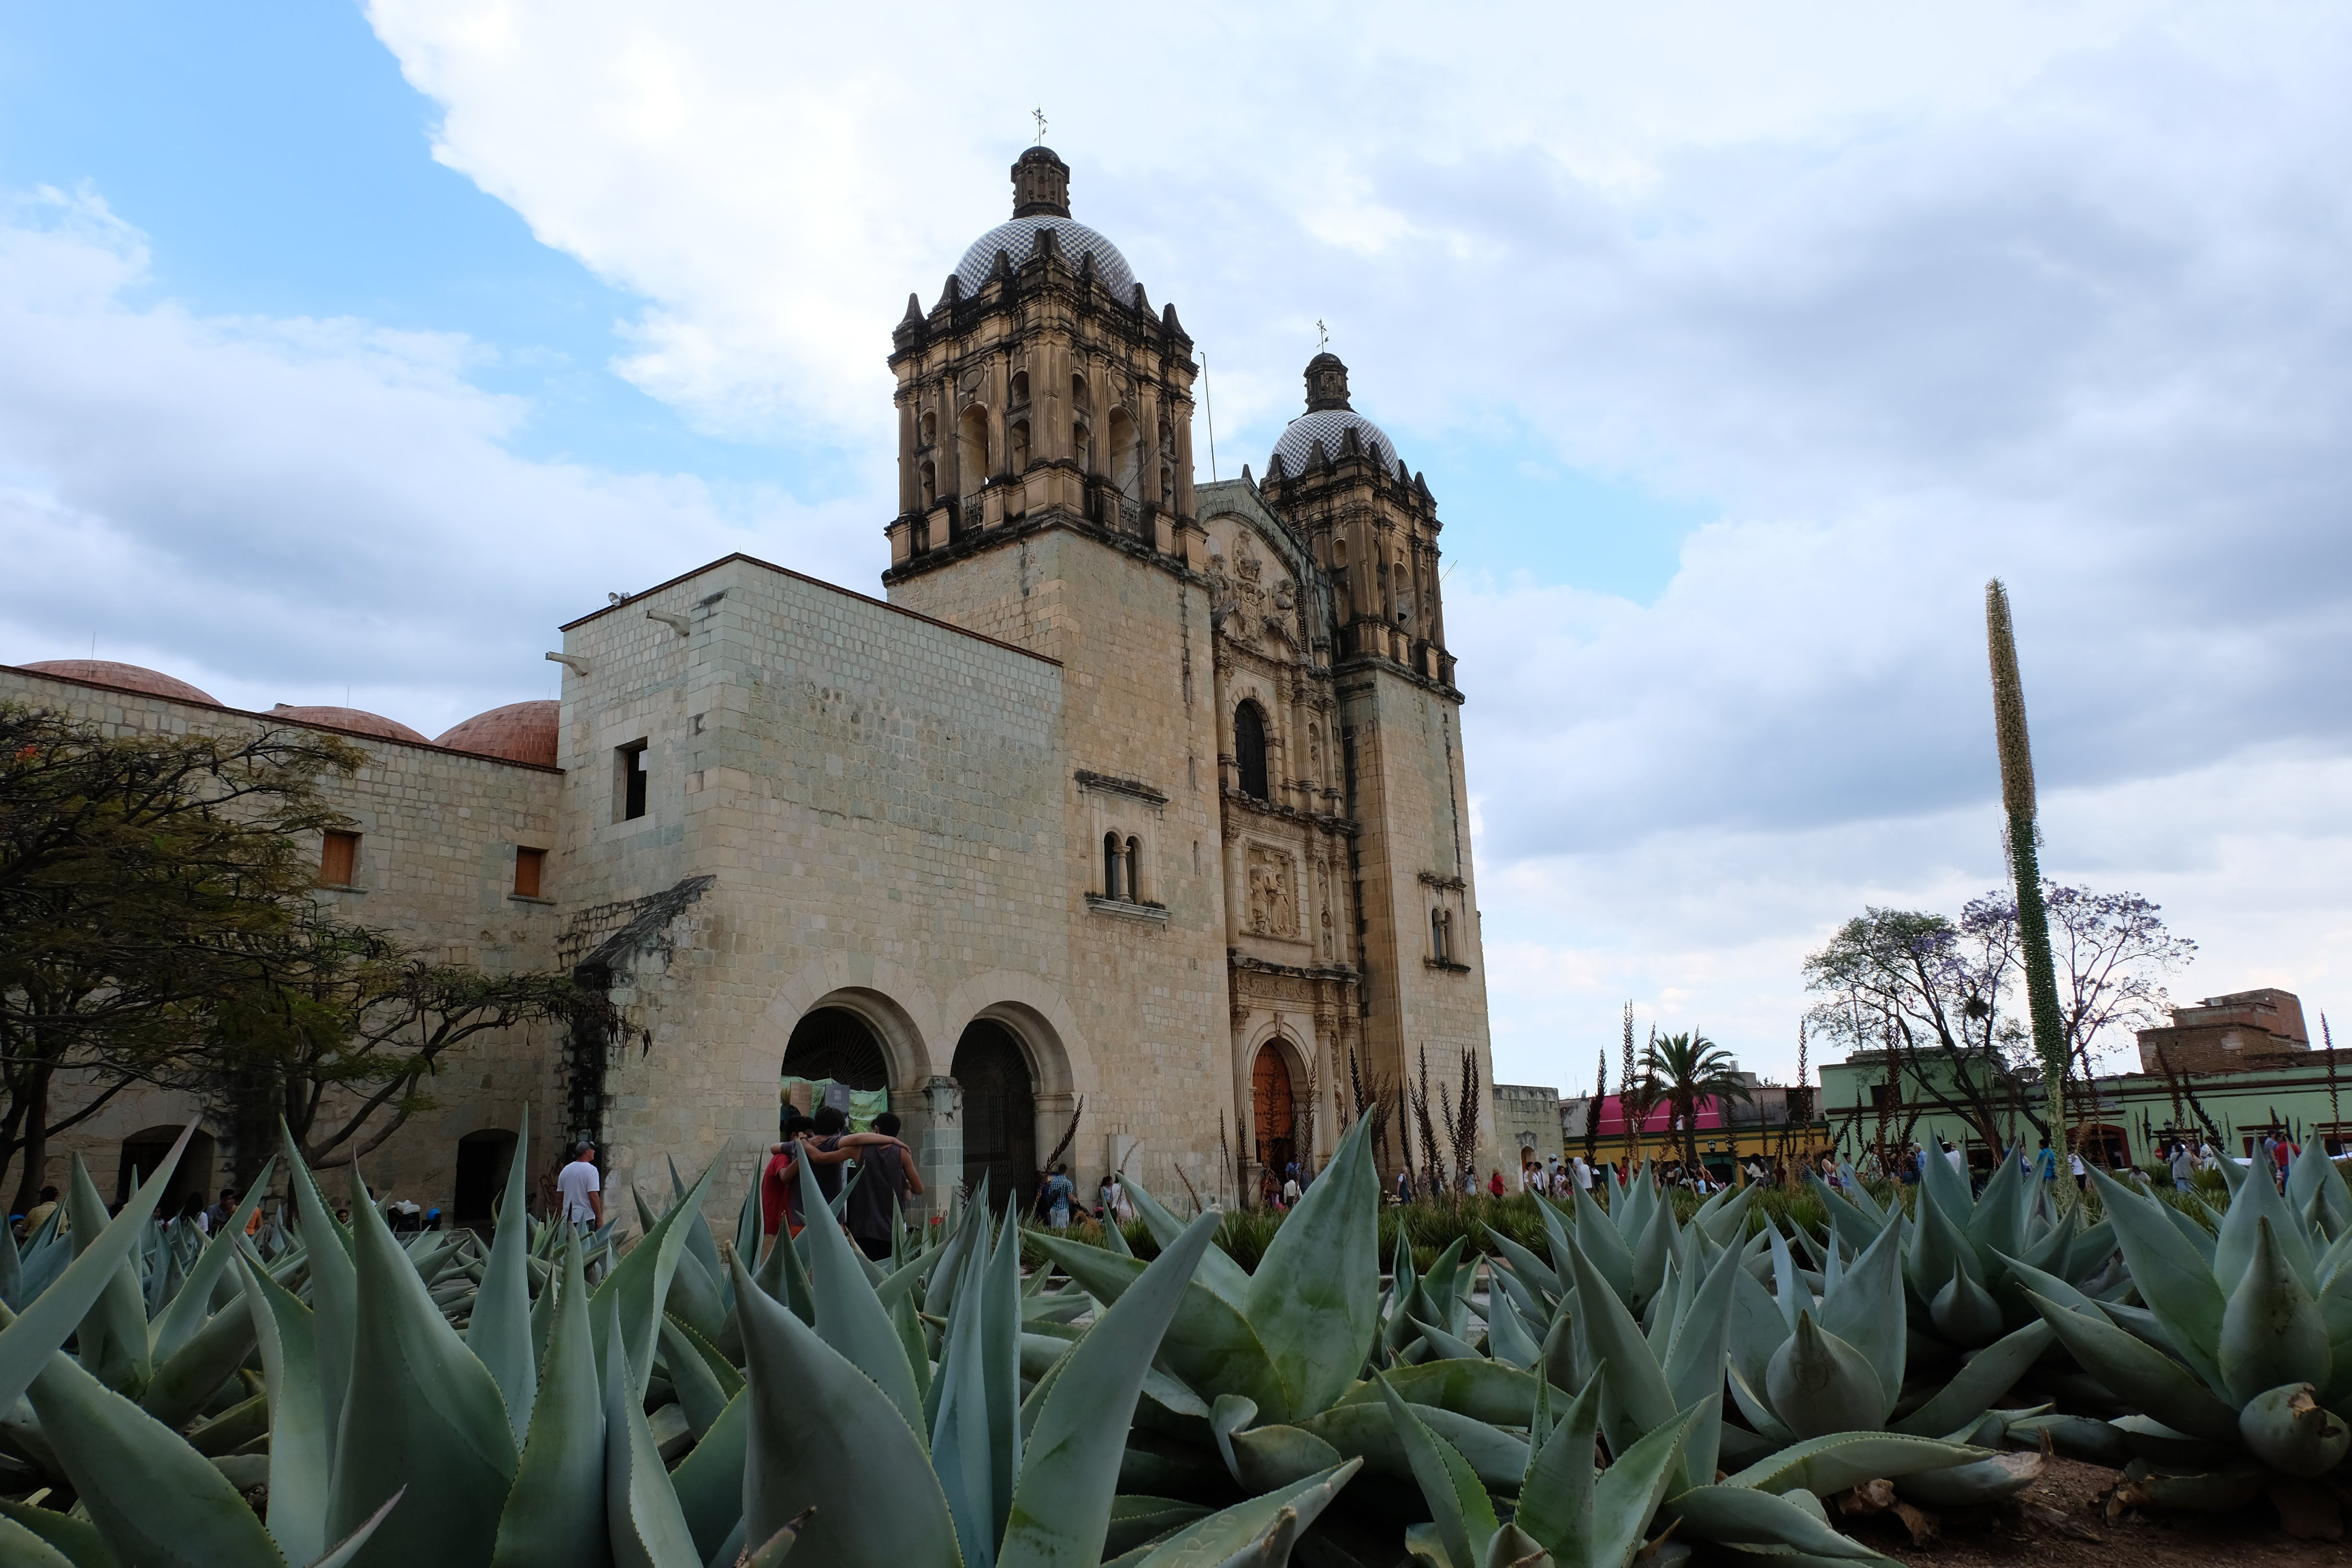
{"x": 279, "y": 511}
{"x": 1905, "y": 298}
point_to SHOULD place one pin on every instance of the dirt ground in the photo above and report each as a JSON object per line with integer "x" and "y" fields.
{"x": 2062, "y": 1519}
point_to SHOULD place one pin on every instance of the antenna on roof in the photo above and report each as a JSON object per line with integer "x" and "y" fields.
{"x": 1038, "y": 114}
{"x": 1210, "y": 409}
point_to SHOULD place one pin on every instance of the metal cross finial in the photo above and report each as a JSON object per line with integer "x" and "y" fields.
{"x": 1038, "y": 114}
{"x": 1322, "y": 335}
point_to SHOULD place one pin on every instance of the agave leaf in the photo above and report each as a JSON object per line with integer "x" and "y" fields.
{"x": 1603, "y": 1246}
{"x": 2272, "y": 1333}
{"x": 1314, "y": 1301}
{"x": 694, "y": 1296}
{"x": 1974, "y": 1484}
{"x": 819, "y": 1431}
{"x": 1857, "y": 1227}
{"x": 499, "y": 1333}
{"x": 193, "y": 1304}
{"x": 1635, "y": 1397}
{"x": 2029, "y": 1277}
{"x": 1833, "y": 1462}
{"x": 1964, "y": 1311}
{"x": 555, "y": 1516}
{"x": 1211, "y": 1346}
{"x": 2139, "y": 1374}
{"x": 334, "y": 1288}
{"x": 1444, "y": 1346}
{"x": 638, "y": 1284}
{"x": 960, "y": 1429}
{"x": 27, "y": 1341}
{"x": 1653, "y": 1252}
{"x": 1555, "y": 1491}
{"x": 2233, "y": 1249}
{"x": 1818, "y": 1384}
{"x": 1989, "y": 1374}
{"x": 297, "y": 1419}
{"x": 641, "y": 1512}
{"x": 2287, "y": 1430}
{"x": 1694, "y": 1362}
{"x": 1865, "y": 1310}
{"x": 1463, "y": 1514}
{"x": 1247, "y": 1532}
{"x": 1219, "y": 1274}
{"x": 27, "y": 1533}
{"x": 1739, "y": 1516}
{"x": 111, "y": 1340}
{"x": 183, "y": 1386}
{"x": 1507, "y": 1336}
{"x": 2174, "y": 1280}
{"x": 1484, "y": 1390}
{"x": 2197, "y": 1235}
{"x": 1757, "y": 1327}
{"x": 709, "y": 1480}
{"x": 849, "y": 1315}
{"x": 422, "y": 1410}
{"x": 1000, "y": 1304}
{"x": 1628, "y": 1492}
{"x": 1365, "y": 1431}
{"x": 1525, "y": 1266}
{"x": 155, "y": 1500}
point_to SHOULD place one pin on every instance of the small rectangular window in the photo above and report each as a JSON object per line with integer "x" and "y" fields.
{"x": 629, "y": 782}
{"x": 339, "y": 859}
{"x": 527, "y": 866}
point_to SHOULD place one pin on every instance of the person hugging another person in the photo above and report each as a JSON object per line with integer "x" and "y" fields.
{"x": 824, "y": 1142}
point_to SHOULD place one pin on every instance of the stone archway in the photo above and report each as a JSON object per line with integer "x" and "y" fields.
{"x": 837, "y": 1043}
{"x": 1000, "y": 1114}
{"x": 1274, "y": 1109}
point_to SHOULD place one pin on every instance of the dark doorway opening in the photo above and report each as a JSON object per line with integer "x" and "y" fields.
{"x": 483, "y": 1158}
{"x": 144, "y": 1150}
{"x": 1270, "y": 1099}
{"x": 835, "y": 1043}
{"x": 1000, "y": 1112}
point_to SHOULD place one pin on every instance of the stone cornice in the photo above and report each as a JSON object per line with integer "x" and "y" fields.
{"x": 1110, "y": 785}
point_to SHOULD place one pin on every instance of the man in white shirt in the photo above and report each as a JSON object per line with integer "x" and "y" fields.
{"x": 1583, "y": 1175}
{"x": 580, "y": 1191}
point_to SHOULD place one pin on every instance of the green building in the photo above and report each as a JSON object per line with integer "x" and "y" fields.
{"x": 2232, "y": 1070}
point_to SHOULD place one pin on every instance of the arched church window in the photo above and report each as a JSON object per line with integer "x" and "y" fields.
{"x": 971, "y": 447}
{"x": 1081, "y": 396}
{"x": 1114, "y": 868}
{"x": 1249, "y": 749}
{"x": 1441, "y": 944}
{"x": 1020, "y": 386}
{"x": 1082, "y": 445}
{"x": 931, "y": 472}
{"x": 1134, "y": 869}
{"x": 928, "y": 435}
{"x": 1125, "y": 455}
{"x": 1019, "y": 439}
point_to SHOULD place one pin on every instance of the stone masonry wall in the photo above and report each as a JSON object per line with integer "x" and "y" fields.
{"x": 438, "y": 831}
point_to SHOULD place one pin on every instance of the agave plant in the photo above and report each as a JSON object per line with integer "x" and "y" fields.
{"x": 2242, "y": 1355}
{"x": 1955, "y": 1259}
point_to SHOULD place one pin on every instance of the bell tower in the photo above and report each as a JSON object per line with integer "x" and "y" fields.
{"x": 1040, "y": 391}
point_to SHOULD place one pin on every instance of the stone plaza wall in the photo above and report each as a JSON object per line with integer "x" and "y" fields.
{"x": 438, "y": 832}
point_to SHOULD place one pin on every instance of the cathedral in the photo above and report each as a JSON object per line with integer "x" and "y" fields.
{"x": 1131, "y": 821}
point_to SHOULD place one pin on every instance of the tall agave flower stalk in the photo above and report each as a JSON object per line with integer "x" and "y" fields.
{"x": 2024, "y": 855}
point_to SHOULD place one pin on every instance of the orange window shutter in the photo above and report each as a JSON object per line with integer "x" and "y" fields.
{"x": 528, "y": 864}
{"x": 339, "y": 859}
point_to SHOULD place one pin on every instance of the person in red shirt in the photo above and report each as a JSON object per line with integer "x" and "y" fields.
{"x": 1495, "y": 1182}
{"x": 779, "y": 1183}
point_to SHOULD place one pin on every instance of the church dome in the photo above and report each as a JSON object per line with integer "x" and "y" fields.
{"x": 1041, "y": 200}
{"x": 1328, "y": 419}
{"x": 1071, "y": 238}
{"x": 124, "y": 676}
{"x": 519, "y": 731}
{"x": 356, "y": 719}
{"x": 1330, "y": 427}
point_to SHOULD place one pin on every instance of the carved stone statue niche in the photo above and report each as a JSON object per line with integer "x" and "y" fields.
{"x": 1273, "y": 904}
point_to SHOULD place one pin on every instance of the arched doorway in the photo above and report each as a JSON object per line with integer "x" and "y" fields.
{"x": 835, "y": 1043}
{"x": 1000, "y": 1110}
{"x": 483, "y": 1158}
{"x": 143, "y": 1154}
{"x": 1270, "y": 1097}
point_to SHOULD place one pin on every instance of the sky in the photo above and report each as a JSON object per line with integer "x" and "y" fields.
{"x": 344, "y": 353}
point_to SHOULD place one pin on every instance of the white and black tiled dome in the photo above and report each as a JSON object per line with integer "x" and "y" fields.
{"x": 1072, "y": 238}
{"x": 1330, "y": 427}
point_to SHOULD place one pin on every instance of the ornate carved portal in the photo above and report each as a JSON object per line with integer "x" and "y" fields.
{"x": 1270, "y": 1099}
{"x": 1272, "y": 896}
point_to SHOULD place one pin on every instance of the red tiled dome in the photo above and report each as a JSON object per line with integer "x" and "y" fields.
{"x": 354, "y": 719}
{"x": 519, "y": 731}
{"x": 127, "y": 677}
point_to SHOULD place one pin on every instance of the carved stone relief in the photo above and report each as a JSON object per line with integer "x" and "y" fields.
{"x": 1272, "y": 898}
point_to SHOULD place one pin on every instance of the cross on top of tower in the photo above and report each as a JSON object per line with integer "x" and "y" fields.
{"x": 1038, "y": 114}
{"x": 1322, "y": 335}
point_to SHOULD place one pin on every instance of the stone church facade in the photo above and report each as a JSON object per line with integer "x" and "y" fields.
{"x": 1139, "y": 800}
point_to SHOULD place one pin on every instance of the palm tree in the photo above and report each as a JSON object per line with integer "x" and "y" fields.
{"x": 1689, "y": 1067}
